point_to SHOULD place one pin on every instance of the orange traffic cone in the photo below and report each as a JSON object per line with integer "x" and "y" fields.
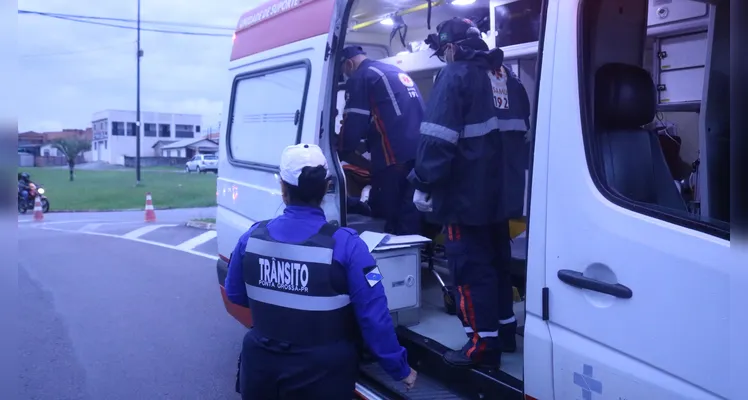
{"x": 150, "y": 214}
{"x": 38, "y": 213}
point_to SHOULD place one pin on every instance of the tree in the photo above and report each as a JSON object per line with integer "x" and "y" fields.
{"x": 72, "y": 148}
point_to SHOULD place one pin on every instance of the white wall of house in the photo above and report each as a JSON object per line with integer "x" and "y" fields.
{"x": 49, "y": 151}
{"x": 173, "y": 152}
{"x": 111, "y": 145}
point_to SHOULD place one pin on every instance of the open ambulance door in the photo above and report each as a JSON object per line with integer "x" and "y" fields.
{"x": 279, "y": 66}
{"x": 636, "y": 296}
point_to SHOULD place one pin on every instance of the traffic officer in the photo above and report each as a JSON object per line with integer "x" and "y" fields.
{"x": 383, "y": 106}
{"x": 314, "y": 291}
{"x": 469, "y": 176}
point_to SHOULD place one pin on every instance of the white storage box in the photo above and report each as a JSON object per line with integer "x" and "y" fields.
{"x": 681, "y": 61}
{"x": 399, "y": 262}
{"x": 670, "y": 11}
{"x": 683, "y": 51}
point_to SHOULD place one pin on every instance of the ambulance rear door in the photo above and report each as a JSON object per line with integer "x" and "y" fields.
{"x": 278, "y": 65}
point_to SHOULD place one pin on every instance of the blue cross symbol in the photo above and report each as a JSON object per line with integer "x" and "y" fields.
{"x": 587, "y": 382}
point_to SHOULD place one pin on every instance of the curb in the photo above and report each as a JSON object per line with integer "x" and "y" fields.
{"x": 121, "y": 209}
{"x": 208, "y": 226}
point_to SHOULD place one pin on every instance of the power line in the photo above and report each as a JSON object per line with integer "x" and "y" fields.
{"x": 153, "y": 22}
{"x": 83, "y": 19}
{"x": 63, "y": 53}
{"x": 142, "y": 29}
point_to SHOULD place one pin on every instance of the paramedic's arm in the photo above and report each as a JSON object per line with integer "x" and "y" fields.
{"x": 370, "y": 307}
{"x": 236, "y": 291}
{"x": 440, "y": 131}
{"x": 524, "y": 102}
{"x": 356, "y": 120}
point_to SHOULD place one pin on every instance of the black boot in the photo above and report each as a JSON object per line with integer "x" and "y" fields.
{"x": 508, "y": 337}
{"x": 459, "y": 358}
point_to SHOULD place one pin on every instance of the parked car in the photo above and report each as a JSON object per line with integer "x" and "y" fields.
{"x": 202, "y": 163}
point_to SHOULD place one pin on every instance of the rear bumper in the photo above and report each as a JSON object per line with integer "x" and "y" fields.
{"x": 241, "y": 314}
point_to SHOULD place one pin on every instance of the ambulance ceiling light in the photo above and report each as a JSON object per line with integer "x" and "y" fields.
{"x": 387, "y": 21}
{"x": 462, "y": 2}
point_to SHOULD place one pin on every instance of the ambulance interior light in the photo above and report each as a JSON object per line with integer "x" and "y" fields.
{"x": 462, "y": 2}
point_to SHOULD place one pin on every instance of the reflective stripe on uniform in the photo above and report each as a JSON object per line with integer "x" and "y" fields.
{"x": 357, "y": 111}
{"x": 482, "y": 334}
{"x": 298, "y": 253}
{"x": 473, "y": 130}
{"x": 492, "y": 124}
{"x": 387, "y": 86}
{"x": 438, "y": 131}
{"x": 297, "y": 301}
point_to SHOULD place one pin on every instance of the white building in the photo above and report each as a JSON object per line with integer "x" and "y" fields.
{"x": 187, "y": 147}
{"x": 114, "y": 134}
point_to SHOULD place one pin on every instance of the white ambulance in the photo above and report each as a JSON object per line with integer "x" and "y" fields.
{"x": 627, "y": 275}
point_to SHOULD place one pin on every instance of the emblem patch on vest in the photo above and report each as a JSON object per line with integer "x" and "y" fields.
{"x": 498, "y": 80}
{"x": 373, "y": 275}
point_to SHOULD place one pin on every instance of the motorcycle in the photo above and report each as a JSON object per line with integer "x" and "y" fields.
{"x": 34, "y": 190}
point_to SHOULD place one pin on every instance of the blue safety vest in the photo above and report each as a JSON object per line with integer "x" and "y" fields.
{"x": 292, "y": 292}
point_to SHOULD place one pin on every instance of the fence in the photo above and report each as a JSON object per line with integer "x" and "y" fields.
{"x": 49, "y": 161}
{"x": 156, "y": 161}
{"x": 25, "y": 160}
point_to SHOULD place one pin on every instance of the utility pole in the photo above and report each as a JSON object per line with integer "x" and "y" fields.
{"x": 219, "y": 122}
{"x": 137, "y": 107}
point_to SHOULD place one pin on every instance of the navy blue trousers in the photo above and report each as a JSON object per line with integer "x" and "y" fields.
{"x": 391, "y": 199}
{"x": 479, "y": 260}
{"x": 277, "y": 371}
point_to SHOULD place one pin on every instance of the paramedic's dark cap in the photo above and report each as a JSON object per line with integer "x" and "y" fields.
{"x": 295, "y": 158}
{"x": 452, "y": 30}
{"x": 350, "y": 52}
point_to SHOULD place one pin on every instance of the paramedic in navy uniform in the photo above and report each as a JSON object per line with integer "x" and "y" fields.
{"x": 469, "y": 176}
{"x": 314, "y": 291}
{"x": 383, "y": 106}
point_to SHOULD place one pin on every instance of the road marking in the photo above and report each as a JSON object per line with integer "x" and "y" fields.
{"x": 166, "y": 246}
{"x": 57, "y": 222}
{"x": 90, "y": 227}
{"x": 197, "y": 240}
{"x": 142, "y": 231}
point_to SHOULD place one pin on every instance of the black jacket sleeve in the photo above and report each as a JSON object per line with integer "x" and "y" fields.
{"x": 441, "y": 128}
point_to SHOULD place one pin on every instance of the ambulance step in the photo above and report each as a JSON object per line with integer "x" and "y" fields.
{"x": 426, "y": 388}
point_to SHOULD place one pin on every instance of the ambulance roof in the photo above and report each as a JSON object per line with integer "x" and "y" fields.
{"x": 279, "y": 22}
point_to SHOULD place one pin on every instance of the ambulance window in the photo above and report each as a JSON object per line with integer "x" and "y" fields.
{"x": 517, "y": 22}
{"x": 657, "y": 134}
{"x": 265, "y": 115}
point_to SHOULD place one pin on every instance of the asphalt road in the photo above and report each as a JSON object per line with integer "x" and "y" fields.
{"x": 106, "y": 312}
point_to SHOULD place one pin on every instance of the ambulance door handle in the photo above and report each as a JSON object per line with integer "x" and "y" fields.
{"x": 577, "y": 279}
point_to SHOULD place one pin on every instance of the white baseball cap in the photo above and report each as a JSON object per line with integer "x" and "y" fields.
{"x": 295, "y": 158}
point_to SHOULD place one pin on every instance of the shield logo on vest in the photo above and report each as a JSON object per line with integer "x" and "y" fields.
{"x": 405, "y": 80}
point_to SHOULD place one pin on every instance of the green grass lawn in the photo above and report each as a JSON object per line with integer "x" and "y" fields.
{"x": 116, "y": 190}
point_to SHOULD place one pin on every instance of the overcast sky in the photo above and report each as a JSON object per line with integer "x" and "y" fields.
{"x": 70, "y": 70}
